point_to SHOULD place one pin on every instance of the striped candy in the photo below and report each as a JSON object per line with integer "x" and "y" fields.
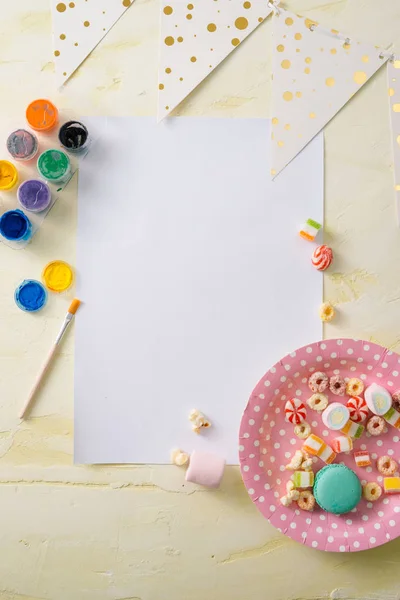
{"x": 358, "y": 409}
{"x": 322, "y": 257}
{"x": 295, "y": 411}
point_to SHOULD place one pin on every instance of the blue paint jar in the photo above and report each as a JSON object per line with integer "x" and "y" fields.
{"x": 30, "y": 296}
{"x": 15, "y": 226}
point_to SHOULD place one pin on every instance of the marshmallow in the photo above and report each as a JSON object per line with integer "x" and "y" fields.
{"x": 335, "y": 416}
{"x": 378, "y": 399}
{"x": 205, "y": 469}
{"x": 342, "y": 444}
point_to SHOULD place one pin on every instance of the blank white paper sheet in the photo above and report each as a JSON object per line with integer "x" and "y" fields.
{"x": 194, "y": 281}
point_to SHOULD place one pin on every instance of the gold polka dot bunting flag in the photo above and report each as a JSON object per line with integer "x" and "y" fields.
{"x": 315, "y": 73}
{"x": 77, "y": 29}
{"x": 393, "y": 74}
{"x": 195, "y": 37}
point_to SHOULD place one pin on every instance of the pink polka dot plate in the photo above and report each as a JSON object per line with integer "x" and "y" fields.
{"x": 267, "y": 442}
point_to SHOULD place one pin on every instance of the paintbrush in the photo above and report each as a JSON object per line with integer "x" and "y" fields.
{"x": 70, "y": 315}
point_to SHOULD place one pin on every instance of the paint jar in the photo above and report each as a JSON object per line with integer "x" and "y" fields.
{"x": 22, "y": 144}
{"x": 34, "y": 195}
{"x": 42, "y": 115}
{"x": 54, "y": 166}
{"x": 15, "y": 226}
{"x": 58, "y": 276}
{"x": 30, "y": 296}
{"x": 8, "y": 175}
{"x": 74, "y": 137}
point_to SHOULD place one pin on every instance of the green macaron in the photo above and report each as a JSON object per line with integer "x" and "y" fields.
{"x": 337, "y": 489}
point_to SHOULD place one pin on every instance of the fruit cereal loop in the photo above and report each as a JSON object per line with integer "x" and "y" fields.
{"x": 306, "y": 501}
{"x": 326, "y": 312}
{"x": 318, "y": 402}
{"x": 354, "y": 387}
{"x": 386, "y": 466}
{"x": 376, "y": 425}
{"x": 303, "y": 430}
{"x": 337, "y": 385}
{"x": 396, "y": 399}
{"x": 318, "y": 382}
{"x": 372, "y": 491}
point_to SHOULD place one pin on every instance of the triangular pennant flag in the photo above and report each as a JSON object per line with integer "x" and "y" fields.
{"x": 315, "y": 73}
{"x": 196, "y": 38}
{"x": 77, "y": 29}
{"x": 393, "y": 74}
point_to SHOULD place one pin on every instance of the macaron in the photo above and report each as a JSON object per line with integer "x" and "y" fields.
{"x": 337, "y": 489}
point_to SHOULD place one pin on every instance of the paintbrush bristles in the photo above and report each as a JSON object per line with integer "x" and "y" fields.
{"x": 74, "y": 306}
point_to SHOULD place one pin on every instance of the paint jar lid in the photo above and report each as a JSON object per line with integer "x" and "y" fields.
{"x": 34, "y": 195}
{"x": 41, "y": 115}
{"x": 58, "y": 276}
{"x": 30, "y": 296}
{"x": 22, "y": 144}
{"x": 53, "y": 165}
{"x": 15, "y": 226}
{"x": 8, "y": 175}
{"x": 73, "y": 136}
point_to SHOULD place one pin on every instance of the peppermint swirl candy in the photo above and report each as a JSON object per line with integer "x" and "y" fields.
{"x": 358, "y": 409}
{"x": 322, "y": 257}
{"x": 295, "y": 411}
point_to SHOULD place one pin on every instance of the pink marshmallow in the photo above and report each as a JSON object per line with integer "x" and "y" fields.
{"x": 205, "y": 469}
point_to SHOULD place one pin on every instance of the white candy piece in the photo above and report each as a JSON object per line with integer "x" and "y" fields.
{"x": 179, "y": 458}
{"x": 378, "y": 399}
{"x": 335, "y": 416}
{"x": 198, "y": 420}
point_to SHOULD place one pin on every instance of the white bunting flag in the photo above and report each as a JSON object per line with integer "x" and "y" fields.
{"x": 315, "y": 73}
{"x": 77, "y": 29}
{"x": 393, "y": 73}
{"x": 195, "y": 37}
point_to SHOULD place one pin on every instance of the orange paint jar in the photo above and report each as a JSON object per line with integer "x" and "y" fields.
{"x": 42, "y": 115}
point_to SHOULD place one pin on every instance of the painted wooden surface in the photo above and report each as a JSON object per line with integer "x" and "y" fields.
{"x": 127, "y": 533}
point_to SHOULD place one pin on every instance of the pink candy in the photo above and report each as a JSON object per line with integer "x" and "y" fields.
{"x": 295, "y": 411}
{"x": 205, "y": 469}
{"x": 358, "y": 409}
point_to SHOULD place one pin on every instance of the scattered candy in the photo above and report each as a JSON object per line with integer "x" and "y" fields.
{"x": 391, "y": 485}
{"x": 337, "y": 385}
{"x": 179, "y": 458}
{"x": 205, "y": 469}
{"x": 303, "y": 479}
{"x": 335, "y": 416}
{"x": 295, "y": 411}
{"x": 353, "y": 430}
{"x": 354, "y": 387}
{"x": 303, "y": 430}
{"x": 318, "y": 402}
{"x": 199, "y": 420}
{"x": 327, "y": 455}
{"x": 322, "y": 257}
{"x": 317, "y": 447}
{"x": 378, "y": 399}
{"x": 372, "y": 491}
{"x": 386, "y": 465}
{"x": 392, "y": 417}
{"x": 326, "y": 312}
{"x": 343, "y": 443}
{"x": 358, "y": 409}
{"x": 375, "y": 425}
{"x": 306, "y": 501}
{"x": 295, "y": 461}
{"x": 310, "y": 230}
{"x": 318, "y": 382}
{"x": 362, "y": 458}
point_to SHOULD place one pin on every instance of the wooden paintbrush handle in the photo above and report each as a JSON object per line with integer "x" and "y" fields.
{"x": 38, "y": 382}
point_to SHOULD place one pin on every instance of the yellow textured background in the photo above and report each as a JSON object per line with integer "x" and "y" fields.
{"x": 129, "y": 533}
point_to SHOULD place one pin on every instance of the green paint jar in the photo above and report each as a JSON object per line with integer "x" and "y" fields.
{"x": 54, "y": 166}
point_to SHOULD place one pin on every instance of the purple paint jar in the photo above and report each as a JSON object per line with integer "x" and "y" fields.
{"x": 34, "y": 195}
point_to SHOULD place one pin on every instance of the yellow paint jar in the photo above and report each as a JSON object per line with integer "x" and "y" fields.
{"x": 8, "y": 175}
{"x": 58, "y": 276}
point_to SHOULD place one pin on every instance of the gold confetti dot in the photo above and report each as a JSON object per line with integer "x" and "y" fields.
{"x": 56, "y": 53}
{"x": 272, "y": 136}
{"x": 193, "y": 59}
{"x": 179, "y": 39}
{"x": 298, "y": 94}
{"x": 346, "y": 46}
{"x": 280, "y": 48}
{"x": 288, "y": 96}
{"x": 298, "y": 36}
{"x": 169, "y": 41}
{"x": 391, "y": 92}
{"x": 308, "y": 60}
{"x": 360, "y": 77}
{"x": 307, "y": 71}
{"x": 241, "y": 23}
{"x": 71, "y": 4}
{"x": 168, "y": 10}
{"x": 161, "y": 86}
{"x": 180, "y": 78}
{"x": 189, "y": 16}
{"x": 235, "y": 42}
{"x": 297, "y": 49}
{"x": 76, "y": 43}
{"x": 312, "y": 115}
{"x": 273, "y": 172}
{"x": 211, "y": 27}
{"x": 86, "y": 23}
{"x": 167, "y": 108}
{"x": 309, "y": 23}
{"x": 396, "y": 64}
{"x": 289, "y": 21}
{"x": 398, "y": 139}
{"x": 397, "y": 188}
{"x": 330, "y": 81}
{"x": 280, "y": 144}
{"x": 287, "y": 126}
{"x": 333, "y": 51}
{"x": 335, "y": 31}
{"x": 65, "y": 74}
{"x": 168, "y": 70}
{"x": 190, "y": 6}
{"x": 126, "y": 3}
{"x": 260, "y": 19}
{"x": 246, "y": 4}
{"x": 62, "y": 36}
{"x": 286, "y": 64}
{"x": 275, "y": 121}
{"x": 61, "y": 7}
{"x": 396, "y": 108}
{"x": 365, "y": 58}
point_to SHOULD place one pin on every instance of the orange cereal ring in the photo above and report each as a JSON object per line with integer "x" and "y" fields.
{"x": 354, "y": 387}
{"x": 375, "y": 425}
{"x": 372, "y": 491}
{"x": 386, "y": 465}
{"x": 318, "y": 402}
{"x": 306, "y": 500}
{"x": 302, "y": 430}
